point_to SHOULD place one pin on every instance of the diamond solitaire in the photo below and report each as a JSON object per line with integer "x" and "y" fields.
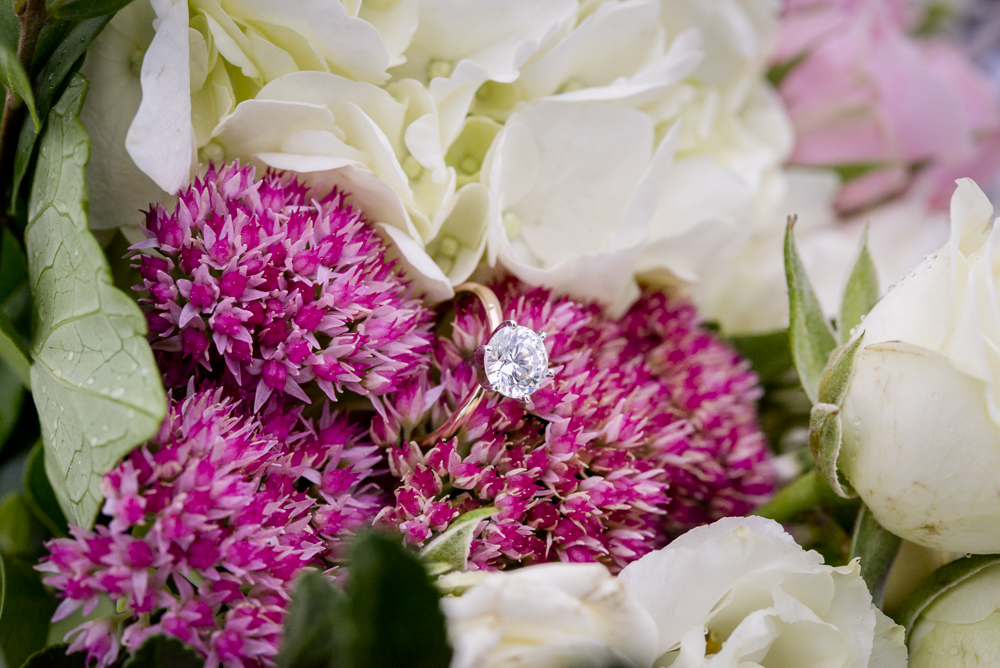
{"x": 515, "y": 362}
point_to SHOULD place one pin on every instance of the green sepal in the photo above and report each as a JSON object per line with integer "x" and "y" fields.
{"x": 25, "y": 611}
{"x": 13, "y": 77}
{"x": 395, "y": 608}
{"x": 877, "y": 549}
{"x": 838, "y": 373}
{"x": 941, "y": 581}
{"x": 94, "y": 381}
{"x": 318, "y": 631}
{"x": 450, "y": 551}
{"x": 163, "y": 651}
{"x": 810, "y": 336}
{"x": 825, "y": 434}
{"x": 860, "y": 293}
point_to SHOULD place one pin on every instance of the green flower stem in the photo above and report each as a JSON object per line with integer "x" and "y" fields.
{"x": 32, "y": 14}
{"x": 809, "y": 491}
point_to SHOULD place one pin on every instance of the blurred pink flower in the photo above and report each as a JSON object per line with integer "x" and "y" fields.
{"x": 647, "y": 429}
{"x": 866, "y": 92}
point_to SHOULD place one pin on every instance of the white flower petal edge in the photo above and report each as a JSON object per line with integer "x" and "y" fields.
{"x": 549, "y": 615}
{"x": 743, "y": 586}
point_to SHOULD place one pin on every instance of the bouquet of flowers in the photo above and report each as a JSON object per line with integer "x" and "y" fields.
{"x": 499, "y": 333}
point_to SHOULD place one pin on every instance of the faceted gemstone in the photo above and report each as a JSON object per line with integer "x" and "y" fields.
{"x": 515, "y": 361}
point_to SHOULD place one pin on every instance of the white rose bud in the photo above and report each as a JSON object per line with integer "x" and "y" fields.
{"x": 740, "y": 592}
{"x": 921, "y": 441}
{"x": 548, "y": 616}
{"x": 961, "y": 627}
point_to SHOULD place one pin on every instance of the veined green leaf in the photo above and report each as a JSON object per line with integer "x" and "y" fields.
{"x": 25, "y": 611}
{"x": 809, "y": 333}
{"x": 940, "y": 581}
{"x": 860, "y": 294}
{"x": 318, "y": 629}
{"x": 162, "y": 651}
{"x": 76, "y": 10}
{"x": 94, "y": 381}
{"x": 877, "y": 549}
{"x": 450, "y": 550}
{"x": 13, "y": 77}
{"x": 395, "y": 608}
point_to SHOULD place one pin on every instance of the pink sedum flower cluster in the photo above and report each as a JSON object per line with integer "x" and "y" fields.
{"x": 260, "y": 286}
{"x": 209, "y": 527}
{"x": 648, "y": 428}
{"x": 863, "y": 91}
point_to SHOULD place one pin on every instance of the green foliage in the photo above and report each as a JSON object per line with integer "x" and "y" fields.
{"x": 75, "y": 10}
{"x": 38, "y": 494}
{"x": 860, "y": 294}
{"x": 13, "y": 77}
{"x": 55, "y": 656}
{"x": 95, "y": 384}
{"x": 770, "y": 354}
{"x": 940, "y": 581}
{"x": 68, "y": 42}
{"x": 19, "y": 531}
{"x": 318, "y": 629}
{"x": 394, "y": 607}
{"x": 390, "y": 617}
{"x": 25, "y": 610}
{"x": 450, "y": 550}
{"x": 810, "y": 336}
{"x": 161, "y": 651}
{"x": 877, "y": 549}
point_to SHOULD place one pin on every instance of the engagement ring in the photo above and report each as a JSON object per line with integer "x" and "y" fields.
{"x": 513, "y": 362}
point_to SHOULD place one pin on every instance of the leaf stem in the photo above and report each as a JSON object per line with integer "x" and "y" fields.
{"x": 32, "y": 16}
{"x": 809, "y": 491}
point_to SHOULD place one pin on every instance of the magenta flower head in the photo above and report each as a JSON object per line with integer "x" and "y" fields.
{"x": 270, "y": 288}
{"x": 210, "y": 522}
{"x": 648, "y": 428}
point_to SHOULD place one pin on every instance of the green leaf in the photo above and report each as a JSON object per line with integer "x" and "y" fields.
{"x": 450, "y": 550}
{"x": 13, "y": 351}
{"x": 11, "y": 400}
{"x": 860, "y": 294}
{"x": 825, "y": 434}
{"x": 318, "y": 629}
{"x": 18, "y": 534}
{"x": 778, "y": 72}
{"x": 940, "y": 581}
{"x": 94, "y": 381}
{"x": 13, "y": 77}
{"x": 877, "y": 549}
{"x": 76, "y": 10}
{"x": 769, "y": 354}
{"x": 162, "y": 651}
{"x": 808, "y": 491}
{"x": 850, "y": 171}
{"x": 39, "y": 496}
{"x": 48, "y": 82}
{"x": 55, "y": 656}
{"x": 25, "y": 611}
{"x": 395, "y": 608}
{"x": 13, "y": 265}
{"x": 809, "y": 333}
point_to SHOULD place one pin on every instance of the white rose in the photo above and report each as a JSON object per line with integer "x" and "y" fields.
{"x": 548, "y": 616}
{"x": 740, "y": 592}
{"x": 166, "y": 71}
{"x": 921, "y": 417}
{"x": 961, "y": 627}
